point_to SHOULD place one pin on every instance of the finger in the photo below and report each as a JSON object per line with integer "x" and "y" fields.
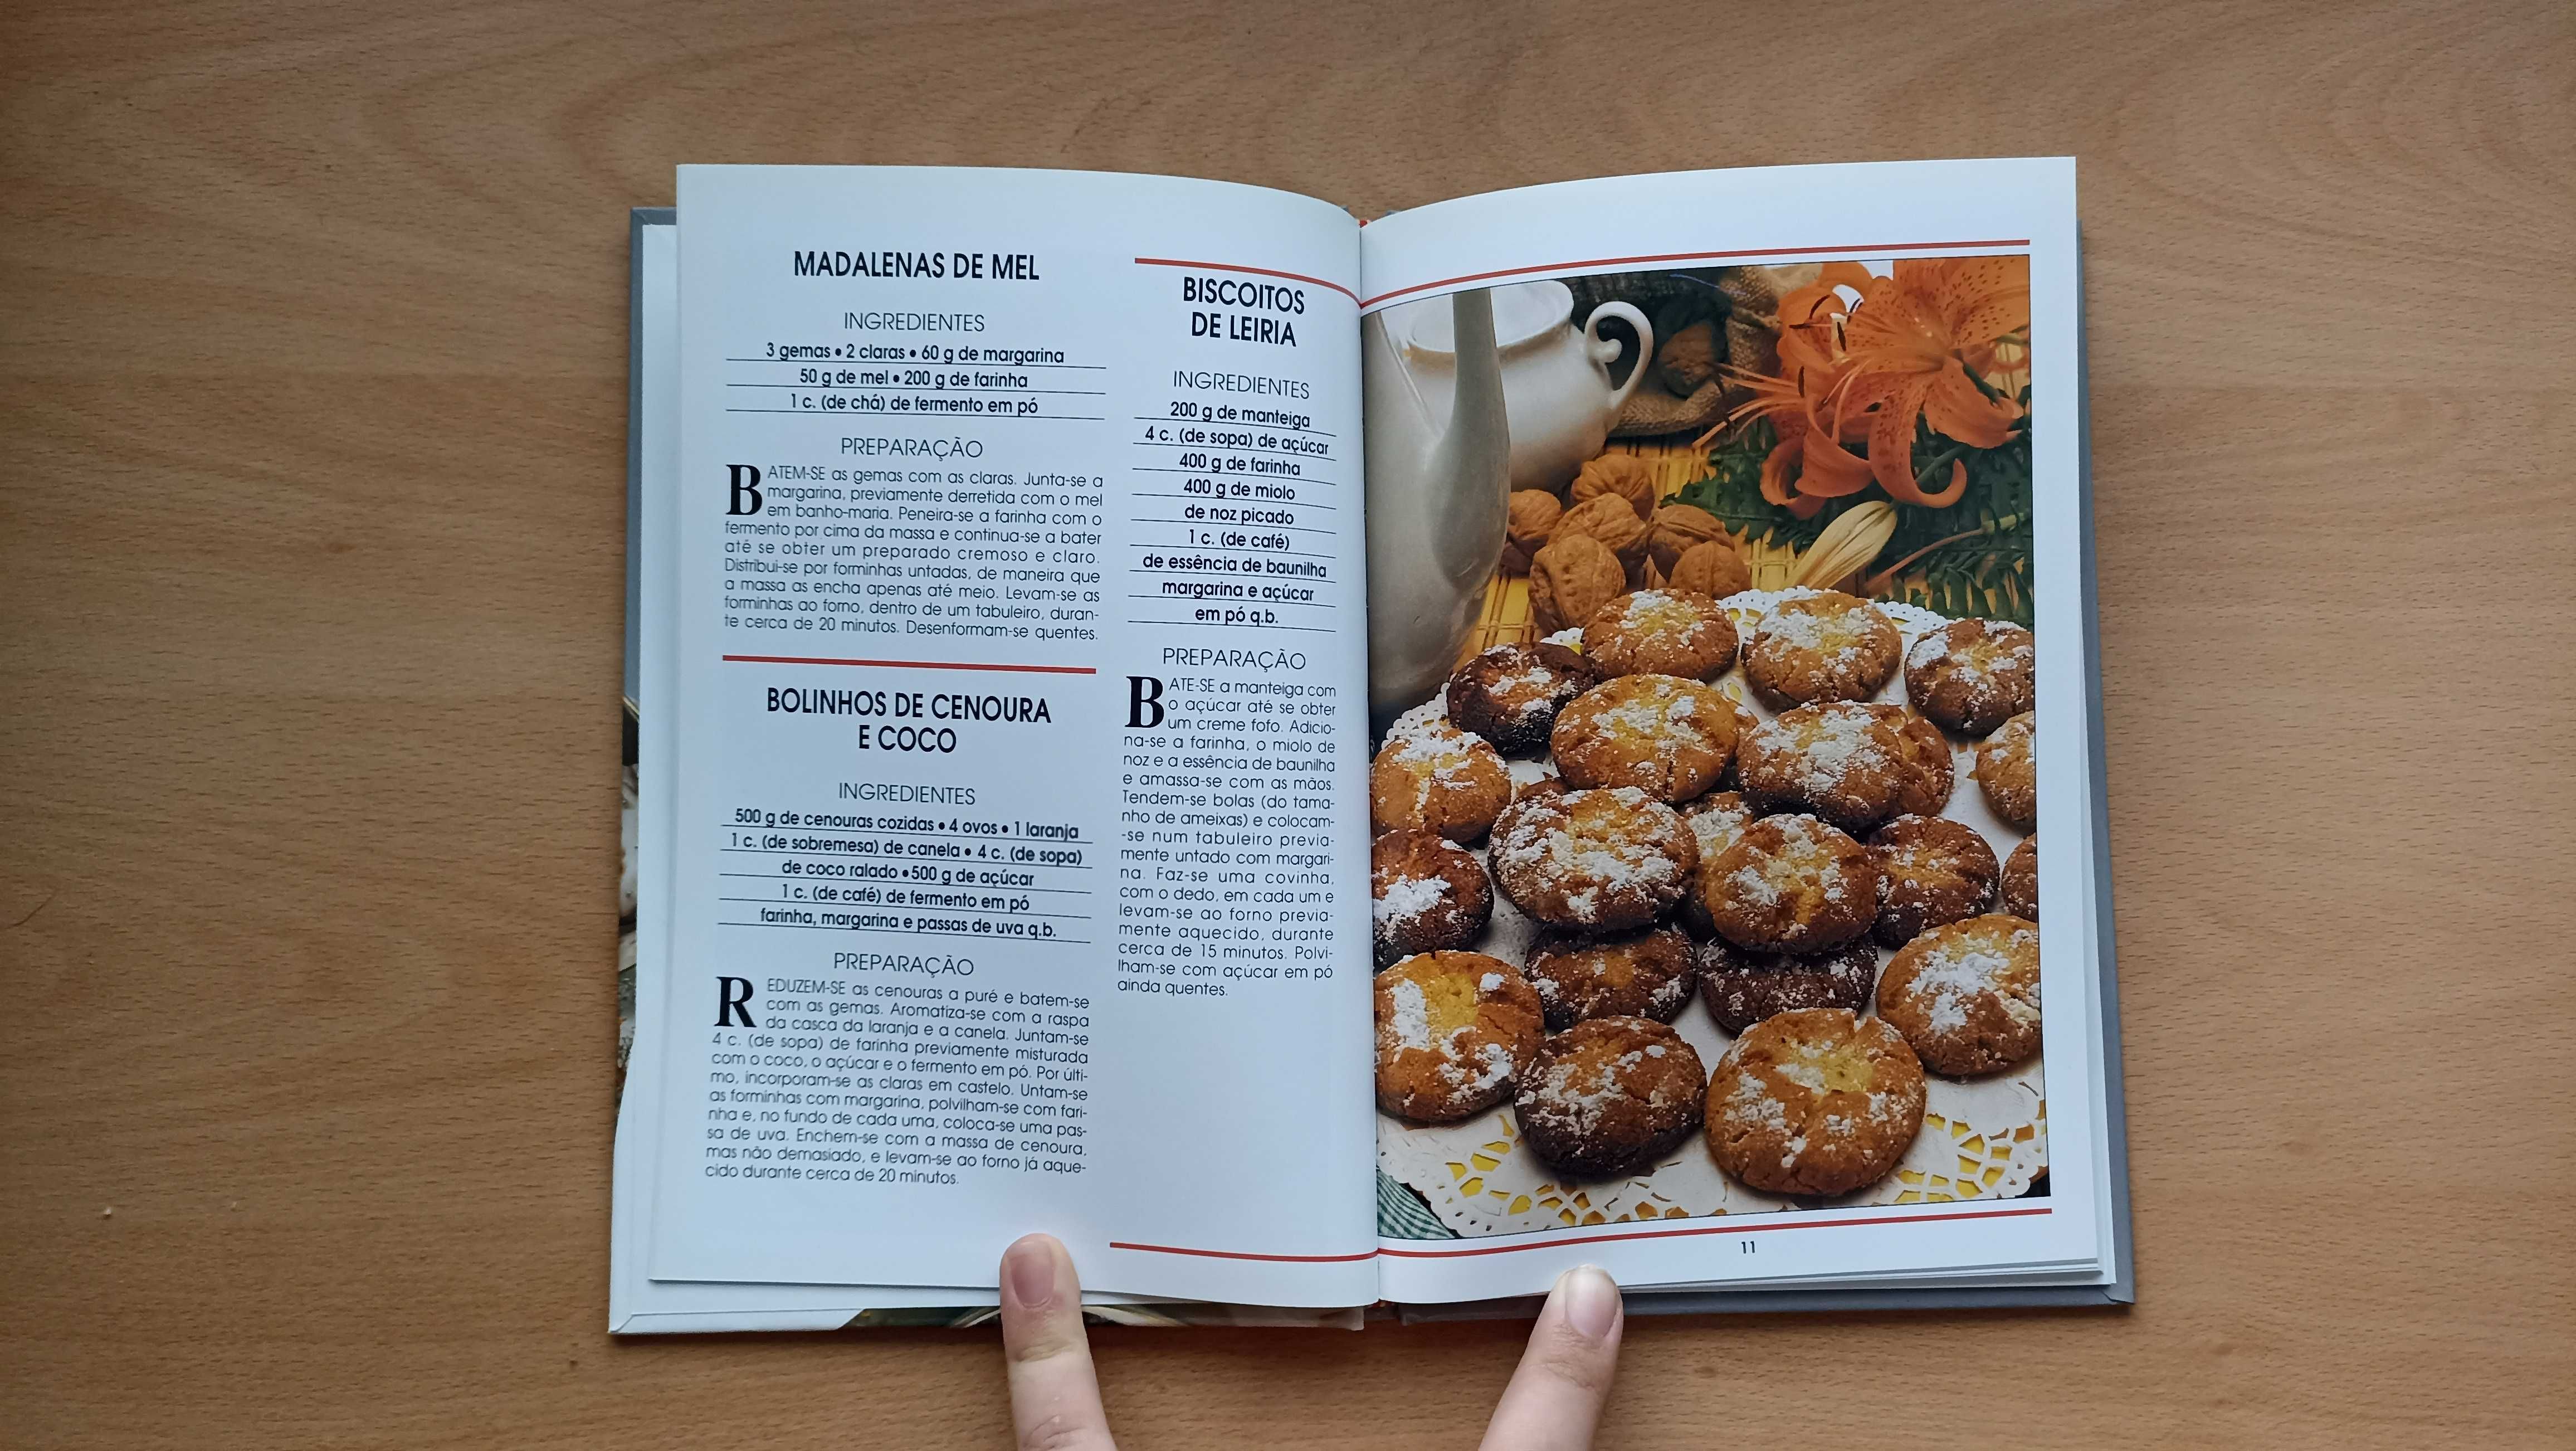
{"x": 1555, "y": 1398}
{"x": 1055, "y": 1398}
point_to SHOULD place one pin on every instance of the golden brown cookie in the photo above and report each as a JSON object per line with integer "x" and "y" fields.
{"x": 1742, "y": 987}
{"x": 1664, "y": 735}
{"x": 1791, "y": 884}
{"x": 1661, "y": 632}
{"x": 1641, "y": 974}
{"x": 1437, "y": 777}
{"x": 2020, "y": 894}
{"x": 1923, "y": 787}
{"x": 1610, "y": 1096}
{"x": 1596, "y": 861}
{"x": 1510, "y": 694}
{"x": 1539, "y": 786}
{"x": 1823, "y": 646}
{"x": 1814, "y": 1102}
{"x": 1426, "y": 894}
{"x": 1931, "y": 871}
{"x": 1973, "y": 675}
{"x": 1839, "y": 760}
{"x": 2007, "y": 771}
{"x": 1967, "y": 995}
{"x": 1453, "y": 1030}
{"x": 1715, "y": 820}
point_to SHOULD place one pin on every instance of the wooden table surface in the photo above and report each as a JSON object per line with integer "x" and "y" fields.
{"x": 313, "y": 382}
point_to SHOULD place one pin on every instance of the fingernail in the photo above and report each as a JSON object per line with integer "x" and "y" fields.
{"x": 1591, "y": 1301}
{"x": 1031, "y": 1272}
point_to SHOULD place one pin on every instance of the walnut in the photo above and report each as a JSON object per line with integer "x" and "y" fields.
{"x": 1687, "y": 361}
{"x": 1534, "y": 513}
{"x": 1675, "y": 529}
{"x": 1608, "y": 518}
{"x": 1623, "y": 474}
{"x": 1713, "y": 569}
{"x": 1572, "y": 577}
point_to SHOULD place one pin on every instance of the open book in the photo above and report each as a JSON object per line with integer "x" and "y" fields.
{"x": 1330, "y": 765}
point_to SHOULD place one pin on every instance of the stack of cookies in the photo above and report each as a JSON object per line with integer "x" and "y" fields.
{"x": 1672, "y": 845}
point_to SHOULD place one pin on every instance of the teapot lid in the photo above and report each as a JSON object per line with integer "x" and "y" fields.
{"x": 1522, "y": 311}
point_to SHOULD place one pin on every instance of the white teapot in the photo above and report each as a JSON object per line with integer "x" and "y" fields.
{"x": 1556, "y": 378}
{"x": 1469, "y": 397}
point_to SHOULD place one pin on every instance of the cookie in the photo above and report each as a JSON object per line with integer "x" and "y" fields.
{"x": 1595, "y": 861}
{"x": 1814, "y": 1102}
{"x": 1924, "y": 782}
{"x": 1453, "y": 1030}
{"x": 1967, "y": 995}
{"x": 1664, "y": 735}
{"x": 2007, "y": 771}
{"x": 1742, "y": 986}
{"x": 1510, "y": 694}
{"x": 2020, "y": 893}
{"x": 1823, "y": 646}
{"x": 1715, "y": 820}
{"x": 1840, "y": 760}
{"x": 1791, "y": 884}
{"x": 1436, "y": 777}
{"x": 1426, "y": 894}
{"x": 1973, "y": 675}
{"x": 1642, "y": 974}
{"x": 1931, "y": 871}
{"x": 1661, "y": 632}
{"x": 1609, "y": 1097}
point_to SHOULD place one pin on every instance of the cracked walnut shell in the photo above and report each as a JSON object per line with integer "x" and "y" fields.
{"x": 1572, "y": 577}
{"x": 1533, "y": 515}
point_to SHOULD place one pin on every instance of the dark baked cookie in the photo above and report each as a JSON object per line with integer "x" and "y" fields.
{"x": 1967, "y": 995}
{"x": 1595, "y": 861}
{"x": 1664, "y": 735}
{"x": 1510, "y": 694}
{"x": 1815, "y": 1102}
{"x": 2020, "y": 894}
{"x": 1426, "y": 894}
{"x": 1453, "y": 1030}
{"x": 1437, "y": 777}
{"x": 1642, "y": 974}
{"x": 1840, "y": 760}
{"x": 1931, "y": 871}
{"x": 1972, "y": 675}
{"x": 1610, "y": 1097}
{"x": 1791, "y": 884}
{"x": 1823, "y": 646}
{"x": 1661, "y": 632}
{"x": 1742, "y": 986}
{"x": 2008, "y": 771}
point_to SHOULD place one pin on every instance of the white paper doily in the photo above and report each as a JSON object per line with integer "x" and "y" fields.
{"x": 1983, "y": 1138}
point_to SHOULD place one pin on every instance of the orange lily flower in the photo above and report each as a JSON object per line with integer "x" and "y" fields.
{"x": 1911, "y": 348}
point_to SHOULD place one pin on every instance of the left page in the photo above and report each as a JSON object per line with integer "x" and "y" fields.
{"x": 1019, "y": 736}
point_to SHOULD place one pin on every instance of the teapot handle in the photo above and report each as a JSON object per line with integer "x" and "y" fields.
{"x": 1605, "y": 351}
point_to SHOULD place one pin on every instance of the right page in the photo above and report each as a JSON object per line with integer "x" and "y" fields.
{"x": 1726, "y": 567}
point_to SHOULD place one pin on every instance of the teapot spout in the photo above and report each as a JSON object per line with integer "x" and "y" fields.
{"x": 1470, "y": 467}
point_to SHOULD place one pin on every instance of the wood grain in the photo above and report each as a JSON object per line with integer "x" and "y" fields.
{"x": 314, "y": 360}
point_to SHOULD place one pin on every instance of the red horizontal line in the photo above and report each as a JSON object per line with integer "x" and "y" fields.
{"x": 915, "y": 664}
{"x": 1504, "y": 1249}
{"x": 1256, "y": 271}
{"x": 1874, "y": 247}
{"x": 1230, "y": 1254}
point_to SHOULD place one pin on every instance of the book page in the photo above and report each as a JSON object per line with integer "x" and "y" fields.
{"x": 1746, "y": 508}
{"x": 1020, "y": 744}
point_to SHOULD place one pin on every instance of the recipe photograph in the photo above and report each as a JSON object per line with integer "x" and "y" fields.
{"x": 1703, "y": 869}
